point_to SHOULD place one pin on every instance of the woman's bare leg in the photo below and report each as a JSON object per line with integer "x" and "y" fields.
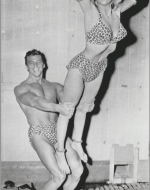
{"x": 73, "y": 89}
{"x": 85, "y": 105}
{"x": 46, "y": 154}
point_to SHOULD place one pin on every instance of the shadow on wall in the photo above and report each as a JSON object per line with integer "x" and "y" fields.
{"x": 129, "y": 40}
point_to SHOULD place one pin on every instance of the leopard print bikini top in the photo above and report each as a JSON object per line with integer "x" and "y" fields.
{"x": 101, "y": 34}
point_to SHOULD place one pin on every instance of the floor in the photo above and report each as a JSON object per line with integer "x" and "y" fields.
{"x": 136, "y": 186}
{"x": 22, "y": 173}
{"x": 89, "y": 186}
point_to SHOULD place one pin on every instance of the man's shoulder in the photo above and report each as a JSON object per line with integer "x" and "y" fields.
{"x": 47, "y": 82}
{"x": 22, "y": 86}
{"x": 58, "y": 85}
{"x": 55, "y": 85}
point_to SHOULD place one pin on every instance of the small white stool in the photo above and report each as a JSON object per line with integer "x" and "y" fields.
{"x": 123, "y": 164}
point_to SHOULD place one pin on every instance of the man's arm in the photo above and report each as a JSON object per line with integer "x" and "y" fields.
{"x": 60, "y": 97}
{"x": 60, "y": 92}
{"x": 125, "y": 4}
{"x": 28, "y": 98}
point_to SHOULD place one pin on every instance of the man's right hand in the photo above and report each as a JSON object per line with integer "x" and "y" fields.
{"x": 66, "y": 109}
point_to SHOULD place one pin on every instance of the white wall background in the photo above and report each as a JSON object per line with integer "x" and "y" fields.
{"x": 56, "y": 28}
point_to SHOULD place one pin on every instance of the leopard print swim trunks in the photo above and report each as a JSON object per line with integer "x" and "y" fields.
{"x": 47, "y": 131}
{"x": 90, "y": 70}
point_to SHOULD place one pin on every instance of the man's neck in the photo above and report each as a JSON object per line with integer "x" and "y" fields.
{"x": 34, "y": 79}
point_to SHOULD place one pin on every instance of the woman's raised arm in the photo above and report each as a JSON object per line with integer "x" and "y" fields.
{"x": 85, "y": 5}
{"x": 125, "y": 4}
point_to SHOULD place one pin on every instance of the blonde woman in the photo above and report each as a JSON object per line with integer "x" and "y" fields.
{"x": 85, "y": 71}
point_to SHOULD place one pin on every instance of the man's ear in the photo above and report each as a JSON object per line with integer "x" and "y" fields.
{"x": 44, "y": 66}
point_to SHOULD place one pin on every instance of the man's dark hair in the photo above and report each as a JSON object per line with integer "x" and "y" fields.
{"x": 34, "y": 52}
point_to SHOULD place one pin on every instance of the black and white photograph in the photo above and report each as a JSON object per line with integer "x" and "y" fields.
{"x": 75, "y": 94}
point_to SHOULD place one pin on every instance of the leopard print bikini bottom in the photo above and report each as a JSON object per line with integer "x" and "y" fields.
{"x": 90, "y": 70}
{"x": 47, "y": 131}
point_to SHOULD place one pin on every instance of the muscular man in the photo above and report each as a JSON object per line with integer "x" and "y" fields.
{"x": 37, "y": 98}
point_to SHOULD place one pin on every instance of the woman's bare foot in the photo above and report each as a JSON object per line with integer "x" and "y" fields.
{"x": 61, "y": 161}
{"x": 76, "y": 145}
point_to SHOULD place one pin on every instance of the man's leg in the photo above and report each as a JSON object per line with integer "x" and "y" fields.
{"x": 75, "y": 166}
{"x": 46, "y": 154}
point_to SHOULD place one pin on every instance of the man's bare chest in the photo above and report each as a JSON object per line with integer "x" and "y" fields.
{"x": 45, "y": 91}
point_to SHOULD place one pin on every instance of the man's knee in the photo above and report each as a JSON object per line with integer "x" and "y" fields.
{"x": 59, "y": 178}
{"x": 86, "y": 107}
{"x": 76, "y": 174}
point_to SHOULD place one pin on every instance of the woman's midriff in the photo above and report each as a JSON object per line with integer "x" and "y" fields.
{"x": 95, "y": 52}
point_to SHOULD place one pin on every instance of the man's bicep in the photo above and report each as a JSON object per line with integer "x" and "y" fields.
{"x": 60, "y": 93}
{"x": 28, "y": 99}
{"x": 60, "y": 96}
{"x": 24, "y": 96}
